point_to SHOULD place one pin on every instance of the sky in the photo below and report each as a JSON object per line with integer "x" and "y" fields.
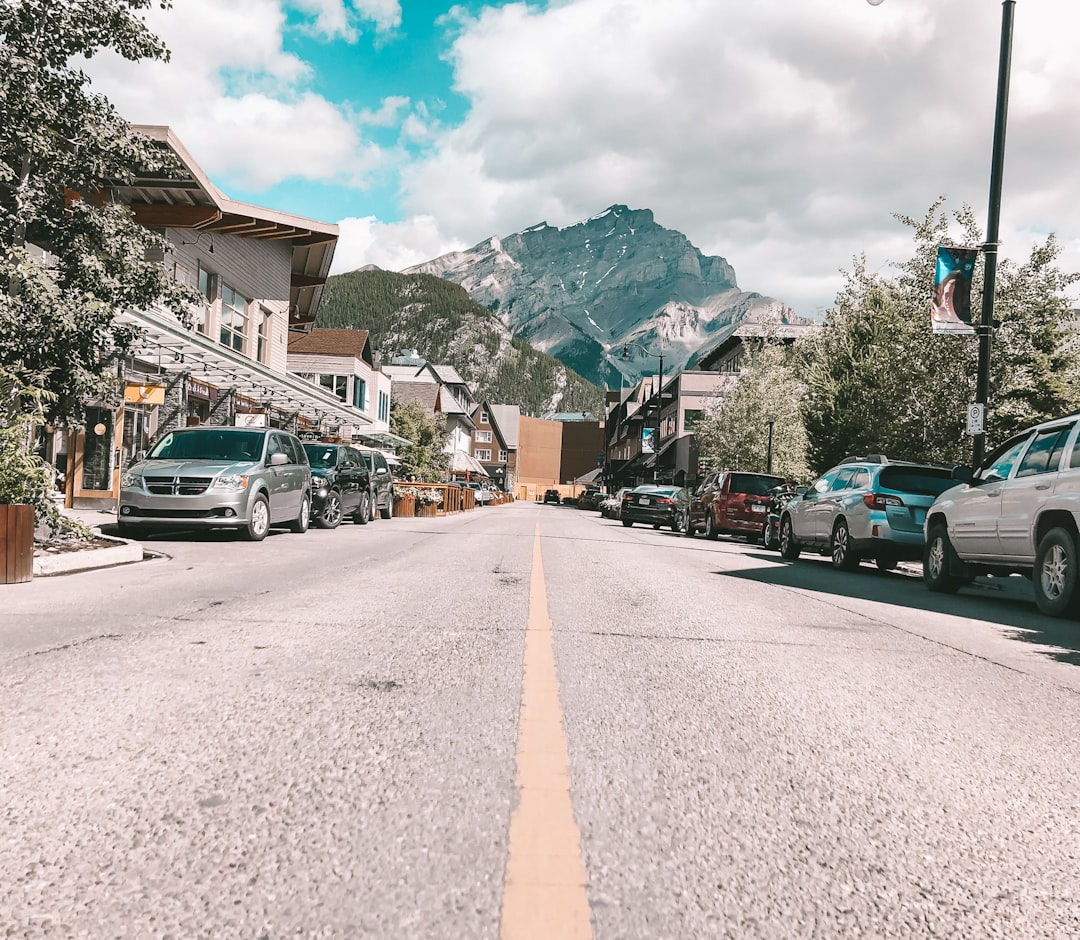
{"x": 782, "y": 135}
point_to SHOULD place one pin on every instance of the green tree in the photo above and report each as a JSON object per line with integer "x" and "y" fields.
{"x": 70, "y": 258}
{"x": 735, "y": 434}
{"x": 878, "y": 381}
{"x": 425, "y": 458}
{"x": 61, "y": 148}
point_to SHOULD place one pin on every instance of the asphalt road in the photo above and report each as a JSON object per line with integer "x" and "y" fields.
{"x": 324, "y": 736}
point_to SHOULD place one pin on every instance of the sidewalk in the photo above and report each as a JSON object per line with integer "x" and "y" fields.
{"x": 103, "y": 551}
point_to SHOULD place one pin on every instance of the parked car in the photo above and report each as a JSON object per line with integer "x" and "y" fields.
{"x": 340, "y": 485}
{"x": 655, "y": 505}
{"x": 730, "y": 502}
{"x": 590, "y": 499}
{"x": 779, "y": 497}
{"x": 1018, "y": 512}
{"x": 382, "y": 482}
{"x": 863, "y": 508}
{"x": 218, "y": 477}
{"x": 551, "y": 496}
{"x": 610, "y": 506}
{"x": 482, "y": 494}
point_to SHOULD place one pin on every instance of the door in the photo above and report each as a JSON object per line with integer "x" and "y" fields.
{"x": 806, "y": 513}
{"x": 1031, "y": 485}
{"x": 285, "y": 480}
{"x": 96, "y": 450}
{"x": 977, "y": 506}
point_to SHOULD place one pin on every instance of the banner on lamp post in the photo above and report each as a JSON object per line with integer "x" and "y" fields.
{"x": 648, "y": 437}
{"x": 950, "y": 308}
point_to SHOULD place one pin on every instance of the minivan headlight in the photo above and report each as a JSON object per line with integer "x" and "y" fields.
{"x": 131, "y": 480}
{"x": 232, "y": 481}
{"x": 317, "y": 481}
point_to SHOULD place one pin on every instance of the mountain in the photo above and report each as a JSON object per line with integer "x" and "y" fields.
{"x": 441, "y": 321}
{"x": 585, "y": 292}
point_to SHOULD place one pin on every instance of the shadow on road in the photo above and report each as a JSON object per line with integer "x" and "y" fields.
{"x": 1007, "y": 602}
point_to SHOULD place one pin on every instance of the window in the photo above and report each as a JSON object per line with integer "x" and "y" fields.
{"x": 262, "y": 352}
{"x": 234, "y": 319}
{"x": 384, "y": 406}
{"x": 502, "y": 456}
{"x": 1044, "y": 454}
{"x": 482, "y": 454}
{"x": 999, "y": 465}
{"x": 484, "y": 417}
{"x": 691, "y": 417}
{"x": 359, "y": 394}
{"x": 338, "y": 384}
{"x": 483, "y": 437}
{"x": 208, "y": 287}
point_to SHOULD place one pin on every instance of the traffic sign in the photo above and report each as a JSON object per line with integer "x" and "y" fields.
{"x": 976, "y": 419}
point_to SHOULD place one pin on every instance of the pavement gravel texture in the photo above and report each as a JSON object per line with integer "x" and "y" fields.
{"x": 315, "y": 736}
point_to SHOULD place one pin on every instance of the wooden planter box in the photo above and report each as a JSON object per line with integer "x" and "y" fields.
{"x": 404, "y": 506}
{"x": 16, "y": 544}
{"x": 427, "y": 509}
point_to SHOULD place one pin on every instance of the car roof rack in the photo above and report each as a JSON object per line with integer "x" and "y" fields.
{"x": 866, "y": 458}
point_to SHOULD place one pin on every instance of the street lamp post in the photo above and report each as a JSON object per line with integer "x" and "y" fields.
{"x": 768, "y": 458}
{"x": 997, "y": 170}
{"x": 985, "y": 329}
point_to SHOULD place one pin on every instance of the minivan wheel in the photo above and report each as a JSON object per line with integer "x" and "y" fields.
{"x": 711, "y": 532}
{"x": 939, "y": 561}
{"x": 1054, "y": 577}
{"x": 789, "y": 548}
{"x": 259, "y": 522}
{"x": 330, "y": 517}
{"x": 300, "y": 524}
{"x": 362, "y": 516}
{"x": 843, "y": 556}
{"x": 387, "y": 512}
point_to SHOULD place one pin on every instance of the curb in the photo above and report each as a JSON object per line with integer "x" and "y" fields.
{"x": 124, "y": 552}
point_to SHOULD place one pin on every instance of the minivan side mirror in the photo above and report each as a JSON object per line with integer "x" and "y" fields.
{"x": 802, "y": 490}
{"x": 276, "y": 460}
{"x": 963, "y": 474}
{"x": 139, "y": 455}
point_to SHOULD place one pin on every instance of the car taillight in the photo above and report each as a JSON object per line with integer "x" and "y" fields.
{"x": 881, "y": 501}
{"x": 665, "y": 500}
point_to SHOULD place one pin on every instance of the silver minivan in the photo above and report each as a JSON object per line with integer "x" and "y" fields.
{"x": 1018, "y": 512}
{"x": 218, "y": 477}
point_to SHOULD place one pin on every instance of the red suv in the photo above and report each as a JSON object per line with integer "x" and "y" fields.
{"x": 731, "y": 502}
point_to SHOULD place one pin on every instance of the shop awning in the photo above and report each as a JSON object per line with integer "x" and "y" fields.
{"x": 463, "y": 462}
{"x": 175, "y": 350}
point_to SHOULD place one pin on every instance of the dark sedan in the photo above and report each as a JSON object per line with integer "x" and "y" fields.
{"x": 655, "y": 505}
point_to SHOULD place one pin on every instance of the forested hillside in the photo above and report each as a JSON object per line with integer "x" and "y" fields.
{"x": 440, "y": 321}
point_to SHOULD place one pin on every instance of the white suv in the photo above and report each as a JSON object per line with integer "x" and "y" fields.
{"x": 1018, "y": 512}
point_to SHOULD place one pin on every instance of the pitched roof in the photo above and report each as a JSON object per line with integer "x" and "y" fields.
{"x": 397, "y": 370}
{"x": 506, "y": 418}
{"x": 448, "y": 375}
{"x": 424, "y": 393}
{"x": 325, "y": 342}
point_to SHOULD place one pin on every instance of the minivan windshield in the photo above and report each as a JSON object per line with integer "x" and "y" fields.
{"x": 321, "y": 456}
{"x": 209, "y": 444}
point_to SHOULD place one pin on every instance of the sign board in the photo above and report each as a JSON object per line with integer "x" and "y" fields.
{"x": 976, "y": 419}
{"x": 247, "y": 420}
{"x": 144, "y": 394}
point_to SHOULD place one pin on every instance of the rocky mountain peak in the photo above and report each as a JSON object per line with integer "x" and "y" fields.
{"x": 583, "y": 292}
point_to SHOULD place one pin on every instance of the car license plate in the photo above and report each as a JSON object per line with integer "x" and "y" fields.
{"x": 644, "y": 501}
{"x": 757, "y": 507}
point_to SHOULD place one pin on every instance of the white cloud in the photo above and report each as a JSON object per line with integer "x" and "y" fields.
{"x": 336, "y": 18}
{"x": 780, "y": 135}
{"x": 391, "y": 246}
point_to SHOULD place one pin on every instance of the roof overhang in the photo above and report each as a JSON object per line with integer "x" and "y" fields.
{"x": 192, "y": 201}
{"x": 178, "y": 350}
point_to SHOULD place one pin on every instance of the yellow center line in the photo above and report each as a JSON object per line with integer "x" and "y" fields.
{"x": 544, "y": 897}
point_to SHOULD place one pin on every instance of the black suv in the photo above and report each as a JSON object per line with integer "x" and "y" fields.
{"x": 382, "y": 482}
{"x": 340, "y": 485}
{"x": 552, "y": 496}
